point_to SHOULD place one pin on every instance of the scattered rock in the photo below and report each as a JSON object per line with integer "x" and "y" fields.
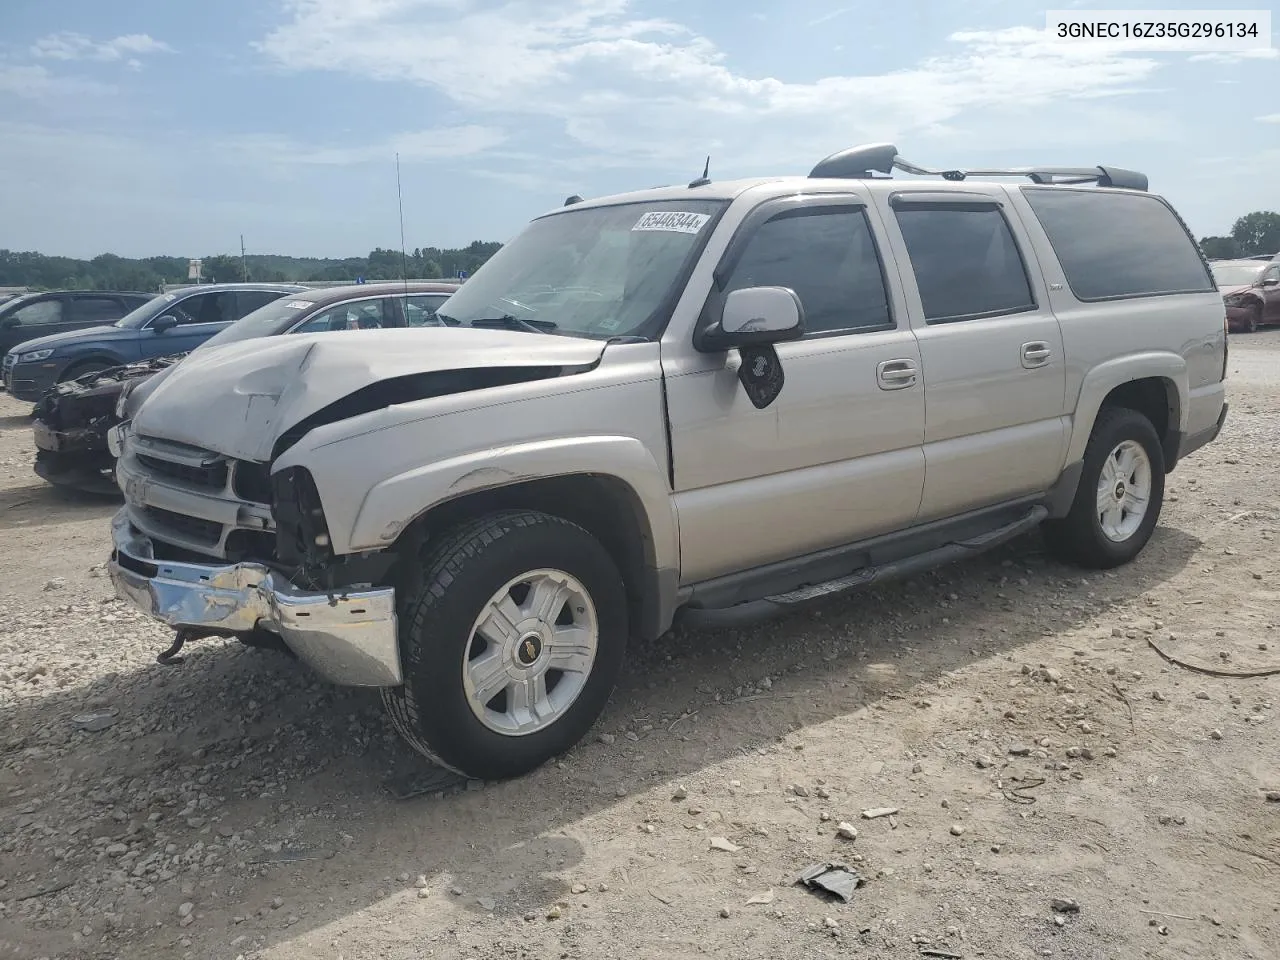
{"x": 917, "y": 768}
{"x": 1215, "y": 734}
{"x": 957, "y": 830}
{"x": 876, "y": 813}
{"x": 724, "y": 913}
{"x": 723, "y": 845}
{"x": 555, "y": 913}
{"x": 846, "y": 831}
{"x": 606, "y": 738}
{"x": 487, "y": 904}
{"x": 578, "y": 888}
{"x": 800, "y": 790}
{"x": 1202, "y": 694}
{"x": 185, "y": 909}
{"x": 424, "y": 893}
{"x": 1273, "y": 796}
{"x": 57, "y": 583}
{"x": 1064, "y": 905}
{"x": 1019, "y": 750}
{"x": 680, "y": 793}
{"x": 1157, "y": 695}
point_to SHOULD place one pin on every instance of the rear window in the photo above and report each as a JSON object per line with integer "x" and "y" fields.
{"x": 1118, "y": 245}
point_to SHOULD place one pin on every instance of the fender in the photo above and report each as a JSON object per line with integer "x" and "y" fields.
{"x": 1106, "y": 376}
{"x": 392, "y": 504}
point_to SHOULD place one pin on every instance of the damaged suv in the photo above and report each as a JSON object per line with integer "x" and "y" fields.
{"x": 717, "y": 400}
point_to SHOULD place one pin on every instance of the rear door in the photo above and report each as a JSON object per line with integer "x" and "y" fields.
{"x": 1270, "y": 281}
{"x": 35, "y": 318}
{"x": 996, "y": 425}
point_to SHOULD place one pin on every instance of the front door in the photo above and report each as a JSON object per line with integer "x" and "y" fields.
{"x": 200, "y": 316}
{"x": 837, "y": 456}
{"x": 996, "y": 424}
{"x": 1270, "y": 281}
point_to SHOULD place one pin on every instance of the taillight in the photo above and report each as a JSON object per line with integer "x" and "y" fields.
{"x": 1226, "y": 341}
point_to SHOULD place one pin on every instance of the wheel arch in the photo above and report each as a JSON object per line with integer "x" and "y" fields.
{"x": 1154, "y": 385}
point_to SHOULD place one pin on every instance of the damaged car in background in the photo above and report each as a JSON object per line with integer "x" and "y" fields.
{"x": 72, "y": 419}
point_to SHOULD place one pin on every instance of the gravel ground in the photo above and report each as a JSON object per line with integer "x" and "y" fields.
{"x": 1011, "y": 710}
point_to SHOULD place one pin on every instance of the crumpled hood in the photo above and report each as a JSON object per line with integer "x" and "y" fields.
{"x": 1238, "y": 288}
{"x": 239, "y": 398}
{"x": 103, "y": 333}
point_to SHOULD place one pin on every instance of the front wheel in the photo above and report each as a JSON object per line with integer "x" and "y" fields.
{"x": 1118, "y": 501}
{"x": 512, "y": 640}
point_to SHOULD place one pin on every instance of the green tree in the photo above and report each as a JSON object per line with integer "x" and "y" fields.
{"x": 222, "y": 268}
{"x": 1220, "y": 248}
{"x": 1257, "y": 233}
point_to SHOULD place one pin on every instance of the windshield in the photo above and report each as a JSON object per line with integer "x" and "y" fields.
{"x": 598, "y": 272}
{"x": 276, "y": 317}
{"x": 1236, "y": 274}
{"x": 145, "y": 312}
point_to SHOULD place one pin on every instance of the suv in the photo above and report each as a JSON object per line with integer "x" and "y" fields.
{"x": 717, "y": 400}
{"x": 40, "y": 314}
{"x": 173, "y": 322}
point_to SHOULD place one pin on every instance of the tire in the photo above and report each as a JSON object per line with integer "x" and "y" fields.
{"x": 444, "y": 650}
{"x": 1253, "y": 319}
{"x": 1080, "y": 537}
{"x": 77, "y": 370}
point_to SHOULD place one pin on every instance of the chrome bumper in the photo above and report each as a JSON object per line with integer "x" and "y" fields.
{"x": 349, "y": 639}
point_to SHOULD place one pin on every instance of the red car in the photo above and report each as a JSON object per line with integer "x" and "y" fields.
{"x": 1251, "y": 291}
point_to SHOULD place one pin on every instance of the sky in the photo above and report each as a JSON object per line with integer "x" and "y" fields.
{"x": 144, "y": 127}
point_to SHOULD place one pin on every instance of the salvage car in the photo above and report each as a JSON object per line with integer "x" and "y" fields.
{"x": 717, "y": 401}
{"x": 170, "y": 323}
{"x": 72, "y": 419}
{"x": 1250, "y": 291}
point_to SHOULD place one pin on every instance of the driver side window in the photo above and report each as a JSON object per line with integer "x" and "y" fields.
{"x": 205, "y": 308}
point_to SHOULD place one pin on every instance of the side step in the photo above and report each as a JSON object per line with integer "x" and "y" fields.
{"x": 778, "y": 604}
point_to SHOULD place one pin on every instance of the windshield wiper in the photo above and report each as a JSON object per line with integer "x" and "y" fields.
{"x": 509, "y": 322}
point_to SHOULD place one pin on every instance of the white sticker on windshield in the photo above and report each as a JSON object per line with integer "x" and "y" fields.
{"x": 298, "y": 304}
{"x": 672, "y": 221}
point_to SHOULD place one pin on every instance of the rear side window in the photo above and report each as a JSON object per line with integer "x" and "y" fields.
{"x": 1118, "y": 245}
{"x": 966, "y": 262}
{"x": 248, "y": 301}
{"x": 829, "y": 258}
{"x": 96, "y": 309}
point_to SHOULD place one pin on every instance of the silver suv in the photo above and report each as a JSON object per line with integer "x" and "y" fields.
{"x": 716, "y": 400}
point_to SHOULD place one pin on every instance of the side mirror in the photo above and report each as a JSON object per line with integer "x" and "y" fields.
{"x": 754, "y": 317}
{"x": 1271, "y": 282}
{"x": 167, "y": 322}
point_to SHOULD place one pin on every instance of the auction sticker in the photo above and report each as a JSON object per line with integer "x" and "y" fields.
{"x": 672, "y": 221}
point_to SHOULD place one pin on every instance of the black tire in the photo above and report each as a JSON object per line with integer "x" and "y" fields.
{"x": 1252, "y": 319}
{"x": 437, "y": 609}
{"x": 1078, "y": 538}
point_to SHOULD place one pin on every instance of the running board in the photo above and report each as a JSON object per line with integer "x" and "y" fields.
{"x": 754, "y": 610}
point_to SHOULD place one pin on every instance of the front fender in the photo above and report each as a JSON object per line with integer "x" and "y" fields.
{"x": 1106, "y": 376}
{"x": 392, "y": 504}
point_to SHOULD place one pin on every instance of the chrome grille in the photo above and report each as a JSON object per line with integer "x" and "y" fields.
{"x": 189, "y": 498}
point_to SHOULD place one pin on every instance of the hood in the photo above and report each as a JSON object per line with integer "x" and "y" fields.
{"x": 239, "y": 398}
{"x": 76, "y": 336}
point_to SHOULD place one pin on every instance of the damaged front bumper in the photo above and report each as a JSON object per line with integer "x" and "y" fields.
{"x": 349, "y": 638}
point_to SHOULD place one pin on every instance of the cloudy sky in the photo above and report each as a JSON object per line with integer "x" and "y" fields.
{"x": 154, "y": 126}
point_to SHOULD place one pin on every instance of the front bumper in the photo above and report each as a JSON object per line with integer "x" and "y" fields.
{"x": 29, "y": 381}
{"x": 348, "y": 638}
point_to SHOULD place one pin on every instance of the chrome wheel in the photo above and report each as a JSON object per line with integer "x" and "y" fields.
{"x": 531, "y": 652}
{"x": 1124, "y": 491}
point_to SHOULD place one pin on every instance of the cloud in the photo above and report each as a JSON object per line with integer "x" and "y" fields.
{"x": 653, "y": 91}
{"x": 839, "y": 12}
{"x": 1269, "y": 118}
{"x": 1236, "y": 56}
{"x": 35, "y": 82}
{"x": 76, "y": 46}
{"x": 419, "y": 146}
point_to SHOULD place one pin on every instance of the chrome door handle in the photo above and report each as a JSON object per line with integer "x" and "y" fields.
{"x": 896, "y": 374}
{"x": 1036, "y": 354}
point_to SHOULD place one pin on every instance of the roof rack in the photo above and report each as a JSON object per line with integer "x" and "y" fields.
{"x": 864, "y": 162}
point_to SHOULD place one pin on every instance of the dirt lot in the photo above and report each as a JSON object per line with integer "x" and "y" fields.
{"x": 1034, "y": 744}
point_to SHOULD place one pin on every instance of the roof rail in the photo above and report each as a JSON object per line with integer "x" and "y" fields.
{"x": 862, "y": 163}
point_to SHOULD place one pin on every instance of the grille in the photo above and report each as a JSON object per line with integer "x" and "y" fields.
{"x": 211, "y": 477}
{"x": 192, "y": 528}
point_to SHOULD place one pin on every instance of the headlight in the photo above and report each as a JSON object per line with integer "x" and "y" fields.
{"x": 1235, "y": 300}
{"x": 35, "y": 355}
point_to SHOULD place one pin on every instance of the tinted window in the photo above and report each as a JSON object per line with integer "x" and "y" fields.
{"x": 42, "y": 311}
{"x": 829, "y": 259}
{"x": 96, "y": 309}
{"x": 250, "y": 300}
{"x": 965, "y": 261}
{"x": 206, "y": 308}
{"x": 1118, "y": 245}
{"x": 362, "y": 315}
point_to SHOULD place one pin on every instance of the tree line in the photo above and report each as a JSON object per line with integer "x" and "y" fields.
{"x": 109, "y": 272}
{"x": 1252, "y": 235}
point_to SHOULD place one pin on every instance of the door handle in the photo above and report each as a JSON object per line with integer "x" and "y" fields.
{"x": 1035, "y": 354}
{"x": 896, "y": 374}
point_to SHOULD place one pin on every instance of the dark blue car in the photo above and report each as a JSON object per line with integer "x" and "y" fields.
{"x": 173, "y": 322}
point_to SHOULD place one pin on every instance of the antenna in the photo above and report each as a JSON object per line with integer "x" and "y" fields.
{"x": 404, "y": 270}
{"x": 703, "y": 180}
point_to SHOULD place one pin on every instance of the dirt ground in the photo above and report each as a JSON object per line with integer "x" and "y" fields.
{"x": 1035, "y": 747}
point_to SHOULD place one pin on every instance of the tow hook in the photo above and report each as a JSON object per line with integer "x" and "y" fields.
{"x": 170, "y": 656}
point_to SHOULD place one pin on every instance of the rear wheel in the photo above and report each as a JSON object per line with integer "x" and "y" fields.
{"x": 1121, "y": 492}
{"x": 512, "y": 640}
{"x": 78, "y": 370}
